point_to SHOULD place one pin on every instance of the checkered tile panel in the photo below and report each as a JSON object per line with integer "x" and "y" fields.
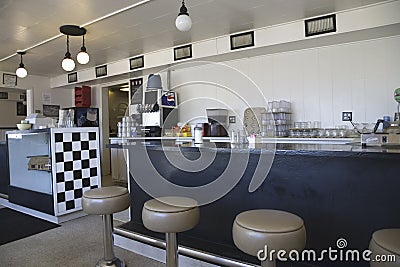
{"x": 77, "y": 168}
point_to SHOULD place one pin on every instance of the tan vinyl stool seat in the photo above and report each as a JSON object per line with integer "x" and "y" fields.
{"x": 385, "y": 242}
{"x": 105, "y": 201}
{"x": 278, "y": 230}
{"x": 171, "y": 215}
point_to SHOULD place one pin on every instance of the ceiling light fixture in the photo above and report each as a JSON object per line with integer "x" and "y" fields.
{"x": 68, "y": 63}
{"x": 183, "y": 22}
{"x": 83, "y": 56}
{"x": 21, "y": 71}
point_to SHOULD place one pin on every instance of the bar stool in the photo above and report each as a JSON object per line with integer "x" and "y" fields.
{"x": 105, "y": 201}
{"x": 255, "y": 230}
{"x": 170, "y": 215}
{"x": 385, "y": 242}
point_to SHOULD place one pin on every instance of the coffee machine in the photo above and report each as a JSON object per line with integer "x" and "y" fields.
{"x": 217, "y": 123}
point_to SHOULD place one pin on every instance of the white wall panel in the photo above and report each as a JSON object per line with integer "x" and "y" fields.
{"x": 312, "y": 111}
{"x": 86, "y": 75}
{"x": 369, "y": 17}
{"x": 341, "y": 63}
{"x": 159, "y": 58}
{"x": 204, "y": 49}
{"x": 118, "y": 67}
{"x": 320, "y": 82}
{"x": 392, "y": 60}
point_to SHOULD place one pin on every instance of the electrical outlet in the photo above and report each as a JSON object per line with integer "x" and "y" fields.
{"x": 232, "y": 119}
{"x": 347, "y": 116}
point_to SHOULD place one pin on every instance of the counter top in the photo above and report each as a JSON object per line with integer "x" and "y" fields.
{"x": 348, "y": 150}
{"x": 45, "y": 130}
{"x": 278, "y": 140}
{"x": 48, "y": 130}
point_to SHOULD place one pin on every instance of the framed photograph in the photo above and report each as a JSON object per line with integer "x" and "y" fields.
{"x": 101, "y": 71}
{"x": 242, "y": 40}
{"x": 183, "y": 52}
{"x": 72, "y": 77}
{"x": 136, "y": 63}
{"x": 3, "y": 95}
{"x": 136, "y": 92}
{"x": 10, "y": 79}
{"x": 51, "y": 111}
{"x": 21, "y": 109}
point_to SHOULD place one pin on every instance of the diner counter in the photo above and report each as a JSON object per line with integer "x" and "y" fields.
{"x": 340, "y": 191}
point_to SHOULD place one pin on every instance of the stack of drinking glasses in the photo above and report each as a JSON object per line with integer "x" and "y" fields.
{"x": 127, "y": 127}
{"x": 277, "y": 121}
{"x": 306, "y": 129}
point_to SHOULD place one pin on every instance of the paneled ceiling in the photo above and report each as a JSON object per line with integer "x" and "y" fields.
{"x": 136, "y": 27}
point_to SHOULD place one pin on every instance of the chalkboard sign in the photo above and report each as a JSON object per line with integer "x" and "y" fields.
{"x": 51, "y": 110}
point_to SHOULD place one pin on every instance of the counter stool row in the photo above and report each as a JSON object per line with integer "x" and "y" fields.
{"x": 254, "y": 232}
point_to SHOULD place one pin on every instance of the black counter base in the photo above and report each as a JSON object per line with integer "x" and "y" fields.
{"x": 338, "y": 195}
{"x": 31, "y": 199}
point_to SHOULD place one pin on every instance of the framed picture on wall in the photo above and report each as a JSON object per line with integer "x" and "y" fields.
{"x": 136, "y": 63}
{"x": 51, "y": 110}
{"x": 101, "y": 71}
{"x": 72, "y": 77}
{"x": 182, "y": 52}
{"x": 9, "y": 79}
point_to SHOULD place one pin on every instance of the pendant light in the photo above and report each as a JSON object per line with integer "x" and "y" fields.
{"x": 83, "y": 56}
{"x": 183, "y": 22}
{"x": 68, "y": 63}
{"x": 21, "y": 71}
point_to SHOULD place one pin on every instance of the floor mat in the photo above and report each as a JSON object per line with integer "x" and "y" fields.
{"x": 15, "y": 225}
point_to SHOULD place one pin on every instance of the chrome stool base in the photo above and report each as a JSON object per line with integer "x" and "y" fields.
{"x": 116, "y": 262}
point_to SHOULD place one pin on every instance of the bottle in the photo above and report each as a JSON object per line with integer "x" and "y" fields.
{"x": 198, "y": 135}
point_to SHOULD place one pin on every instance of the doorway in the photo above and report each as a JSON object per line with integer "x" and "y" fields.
{"x": 115, "y": 101}
{"x": 118, "y": 103}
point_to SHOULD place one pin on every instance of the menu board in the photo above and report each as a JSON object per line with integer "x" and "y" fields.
{"x": 51, "y": 110}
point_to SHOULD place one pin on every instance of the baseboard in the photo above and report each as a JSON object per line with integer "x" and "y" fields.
{"x": 41, "y": 215}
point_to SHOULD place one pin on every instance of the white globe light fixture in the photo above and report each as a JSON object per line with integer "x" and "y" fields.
{"x": 68, "y": 64}
{"x": 21, "y": 71}
{"x": 83, "y": 57}
{"x": 183, "y": 22}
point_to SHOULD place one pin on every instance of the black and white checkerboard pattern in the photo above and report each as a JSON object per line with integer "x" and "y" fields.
{"x": 77, "y": 168}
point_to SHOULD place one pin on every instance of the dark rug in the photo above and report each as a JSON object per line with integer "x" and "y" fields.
{"x": 15, "y": 225}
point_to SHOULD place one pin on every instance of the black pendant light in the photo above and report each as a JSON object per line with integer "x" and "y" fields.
{"x": 68, "y": 63}
{"x": 21, "y": 71}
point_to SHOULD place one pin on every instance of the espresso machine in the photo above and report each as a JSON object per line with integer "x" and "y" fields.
{"x": 159, "y": 108}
